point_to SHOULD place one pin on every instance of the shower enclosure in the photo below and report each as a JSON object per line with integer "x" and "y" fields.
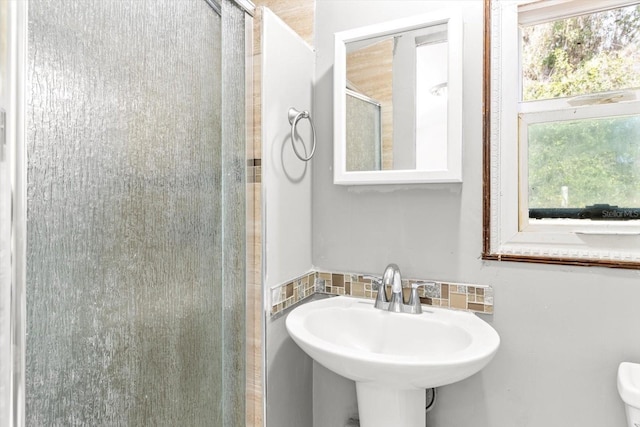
{"x": 122, "y": 212}
{"x": 364, "y": 132}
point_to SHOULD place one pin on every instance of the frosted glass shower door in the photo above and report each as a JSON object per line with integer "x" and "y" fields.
{"x": 125, "y": 210}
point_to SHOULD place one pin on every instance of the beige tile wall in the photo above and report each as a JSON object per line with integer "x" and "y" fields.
{"x": 300, "y": 16}
{"x": 254, "y": 411}
{"x": 254, "y": 396}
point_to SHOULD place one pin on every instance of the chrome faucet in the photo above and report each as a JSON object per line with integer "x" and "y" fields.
{"x": 392, "y": 279}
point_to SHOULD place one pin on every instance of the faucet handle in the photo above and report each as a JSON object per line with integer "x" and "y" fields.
{"x": 415, "y": 306}
{"x": 381, "y": 299}
{"x": 377, "y": 280}
{"x": 421, "y": 284}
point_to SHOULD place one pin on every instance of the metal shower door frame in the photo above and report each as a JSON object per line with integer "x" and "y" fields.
{"x": 16, "y": 34}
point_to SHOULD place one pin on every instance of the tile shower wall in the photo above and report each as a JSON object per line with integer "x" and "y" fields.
{"x": 476, "y": 298}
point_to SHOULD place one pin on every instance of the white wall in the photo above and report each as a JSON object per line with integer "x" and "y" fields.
{"x": 564, "y": 329}
{"x": 287, "y": 81}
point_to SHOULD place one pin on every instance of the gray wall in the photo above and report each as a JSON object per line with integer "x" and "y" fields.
{"x": 289, "y": 379}
{"x": 334, "y": 398}
{"x": 564, "y": 329}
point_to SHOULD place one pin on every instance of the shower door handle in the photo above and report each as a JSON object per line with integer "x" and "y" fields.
{"x": 3, "y": 133}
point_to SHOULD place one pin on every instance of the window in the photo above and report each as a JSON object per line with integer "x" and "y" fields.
{"x": 562, "y": 132}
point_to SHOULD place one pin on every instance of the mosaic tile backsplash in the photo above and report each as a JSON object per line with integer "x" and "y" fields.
{"x": 476, "y": 298}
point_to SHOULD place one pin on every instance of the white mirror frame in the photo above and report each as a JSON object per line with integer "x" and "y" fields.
{"x": 453, "y": 173}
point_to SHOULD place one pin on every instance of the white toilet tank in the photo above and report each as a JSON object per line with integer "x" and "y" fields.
{"x": 629, "y": 389}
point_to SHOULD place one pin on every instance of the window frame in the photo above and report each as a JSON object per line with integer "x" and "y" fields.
{"x": 563, "y": 113}
{"x": 507, "y": 232}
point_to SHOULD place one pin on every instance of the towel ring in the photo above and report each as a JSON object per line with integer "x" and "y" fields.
{"x": 295, "y": 116}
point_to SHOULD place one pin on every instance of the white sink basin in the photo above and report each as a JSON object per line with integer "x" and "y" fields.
{"x": 392, "y": 355}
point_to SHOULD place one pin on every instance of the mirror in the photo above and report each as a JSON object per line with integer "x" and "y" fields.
{"x": 398, "y": 101}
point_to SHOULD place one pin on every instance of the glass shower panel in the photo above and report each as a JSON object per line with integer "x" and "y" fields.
{"x": 124, "y": 217}
{"x": 364, "y": 133}
{"x": 234, "y": 162}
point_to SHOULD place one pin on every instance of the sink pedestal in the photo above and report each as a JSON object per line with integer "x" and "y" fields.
{"x": 392, "y": 357}
{"x": 384, "y": 406}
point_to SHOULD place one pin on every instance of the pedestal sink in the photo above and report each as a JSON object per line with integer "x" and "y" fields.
{"x": 392, "y": 357}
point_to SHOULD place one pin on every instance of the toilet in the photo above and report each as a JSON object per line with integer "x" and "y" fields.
{"x": 629, "y": 389}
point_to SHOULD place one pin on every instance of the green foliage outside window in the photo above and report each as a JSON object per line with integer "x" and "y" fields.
{"x": 598, "y": 160}
{"x": 586, "y": 54}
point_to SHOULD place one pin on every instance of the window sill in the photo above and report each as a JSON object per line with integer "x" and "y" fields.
{"x": 586, "y": 247}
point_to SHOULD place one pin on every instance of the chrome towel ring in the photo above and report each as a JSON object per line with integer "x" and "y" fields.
{"x": 295, "y": 116}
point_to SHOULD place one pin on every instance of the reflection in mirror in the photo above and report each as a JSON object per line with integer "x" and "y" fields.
{"x": 431, "y": 99}
{"x": 398, "y": 97}
{"x": 398, "y": 82}
{"x": 364, "y": 139}
{"x": 370, "y": 76}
